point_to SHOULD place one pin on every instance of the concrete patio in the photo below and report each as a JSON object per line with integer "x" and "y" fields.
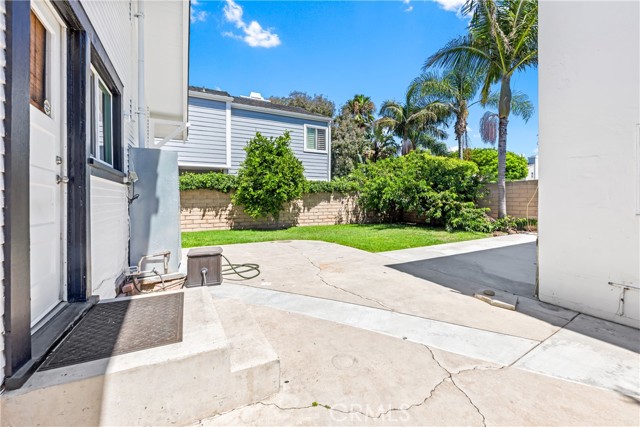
{"x": 366, "y": 336}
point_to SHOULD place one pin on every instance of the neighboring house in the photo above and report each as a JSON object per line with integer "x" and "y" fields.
{"x": 221, "y": 125}
{"x": 532, "y": 168}
{"x": 82, "y": 83}
{"x": 589, "y": 207}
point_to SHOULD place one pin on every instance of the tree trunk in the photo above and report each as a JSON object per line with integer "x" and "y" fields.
{"x": 502, "y": 163}
{"x": 407, "y": 146}
{"x": 461, "y": 128}
{"x": 504, "y": 108}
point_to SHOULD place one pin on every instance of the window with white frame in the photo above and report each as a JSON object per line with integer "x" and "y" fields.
{"x": 101, "y": 119}
{"x": 315, "y": 138}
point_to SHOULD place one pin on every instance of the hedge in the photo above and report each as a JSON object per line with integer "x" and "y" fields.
{"x": 226, "y": 183}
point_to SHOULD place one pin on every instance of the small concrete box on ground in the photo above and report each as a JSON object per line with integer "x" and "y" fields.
{"x": 204, "y": 266}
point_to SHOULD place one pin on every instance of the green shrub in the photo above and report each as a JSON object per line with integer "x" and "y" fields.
{"x": 208, "y": 181}
{"x": 470, "y": 218}
{"x": 270, "y": 176}
{"x": 440, "y": 189}
{"x": 338, "y": 185}
{"x": 487, "y": 161}
{"x": 511, "y": 223}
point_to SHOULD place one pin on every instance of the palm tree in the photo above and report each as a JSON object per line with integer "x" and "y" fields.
{"x": 502, "y": 39}
{"x": 455, "y": 90}
{"x": 521, "y": 106}
{"x": 417, "y": 115}
{"x": 361, "y": 108}
{"x": 383, "y": 144}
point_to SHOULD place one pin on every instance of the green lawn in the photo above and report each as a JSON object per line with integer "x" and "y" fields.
{"x": 368, "y": 237}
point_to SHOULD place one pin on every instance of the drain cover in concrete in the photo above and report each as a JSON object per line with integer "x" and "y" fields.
{"x": 121, "y": 327}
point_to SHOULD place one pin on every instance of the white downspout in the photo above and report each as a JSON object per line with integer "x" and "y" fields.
{"x": 142, "y": 106}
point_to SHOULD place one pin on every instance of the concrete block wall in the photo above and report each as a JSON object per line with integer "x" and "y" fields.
{"x": 213, "y": 210}
{"x": 522, "y": 199}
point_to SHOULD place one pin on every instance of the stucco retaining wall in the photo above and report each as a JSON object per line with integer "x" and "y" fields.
{"x": 213, "y": 210}
{"x": 522, "y": 199}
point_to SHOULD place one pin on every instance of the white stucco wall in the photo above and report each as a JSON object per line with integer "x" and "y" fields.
{"x": 589, "y": 201}
{"x": 2, "y": 134}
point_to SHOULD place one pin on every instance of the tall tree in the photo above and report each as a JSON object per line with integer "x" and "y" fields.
{"x": 456, "y": 90}
{"x": 383, "y": 144}
{"x": 521, "y": 106}
{"x": 349, "y": 143}
{"x": 361, "y": 108}
{"x": 502, "y": 39}
{"x": 415, "y": 116}
{"x": 318, "y": 104}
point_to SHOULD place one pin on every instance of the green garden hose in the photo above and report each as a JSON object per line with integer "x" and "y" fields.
{"x": 240, "y": 270}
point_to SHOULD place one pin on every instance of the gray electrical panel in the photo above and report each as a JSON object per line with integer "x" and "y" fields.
{"x": 155, "y": 213}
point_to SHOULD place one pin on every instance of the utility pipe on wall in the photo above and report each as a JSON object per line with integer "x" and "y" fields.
{"x": 142, "y": 106}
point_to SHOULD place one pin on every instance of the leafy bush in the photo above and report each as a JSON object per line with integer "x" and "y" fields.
{"x": 440, "y": 189}
{"x": 338, "y": 185}
{"x": 487, "y": 161}
{"x": 512, "y": 223}
{"x": 270, "y": 176}
{"x": 208, "y": 181}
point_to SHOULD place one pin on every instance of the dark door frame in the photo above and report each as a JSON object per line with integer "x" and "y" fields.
{"x": 83, "y": 44}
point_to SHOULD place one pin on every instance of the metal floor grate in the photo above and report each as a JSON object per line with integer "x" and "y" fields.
{"x": 120, "y": 327}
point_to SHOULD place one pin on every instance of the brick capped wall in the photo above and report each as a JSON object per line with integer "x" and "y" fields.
{"x": 519, "y": 195}
{"x": 212, "y": 210}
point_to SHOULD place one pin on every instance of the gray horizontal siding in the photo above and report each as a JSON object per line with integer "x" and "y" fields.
{"x": 207, "y": 141}
{"x": 245, "y": 124}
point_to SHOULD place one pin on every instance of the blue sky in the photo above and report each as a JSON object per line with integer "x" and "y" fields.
{"x": 334, "y": 48}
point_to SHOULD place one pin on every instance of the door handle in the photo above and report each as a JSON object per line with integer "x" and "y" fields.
{"x": 62, "y": 179}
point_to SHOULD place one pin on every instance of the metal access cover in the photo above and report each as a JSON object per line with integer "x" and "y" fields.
{"x": 121, "y": 327}
{"x": 204, "y": 251}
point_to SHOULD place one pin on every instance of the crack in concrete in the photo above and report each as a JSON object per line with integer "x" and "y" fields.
{"x": 451, "y": 377}
{"x": 353, "y": 411}
{"x": 329, "y": 408}
{"x": 544, "y": 340}
{"x": 484, "y": 420}
{"x": 319, "y": 275}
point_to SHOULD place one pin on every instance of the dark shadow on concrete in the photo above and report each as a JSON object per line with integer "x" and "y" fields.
{"x": 513, "y": 269}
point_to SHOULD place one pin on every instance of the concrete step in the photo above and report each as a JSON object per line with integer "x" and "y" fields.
{"x": 219, "y": 365}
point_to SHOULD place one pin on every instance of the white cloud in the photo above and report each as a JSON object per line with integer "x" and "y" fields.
{"x": 254, "y": 34}
{"x": 196, "y": 14}
{"x": 199, "y": 15}
{"x": 451, "y": 5}
{"x": 409, "y": 9}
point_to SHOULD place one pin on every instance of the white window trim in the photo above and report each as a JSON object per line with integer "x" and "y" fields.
{"x": 97, "y": 82}
{"x": 327, "y": 135}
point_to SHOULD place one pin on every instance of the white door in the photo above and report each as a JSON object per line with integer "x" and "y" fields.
{"x": 47, "y": 161}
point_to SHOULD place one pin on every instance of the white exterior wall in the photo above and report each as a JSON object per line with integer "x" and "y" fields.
{"x": 2, "y": 135}
{"x": 589, "y": 222}
{"x": 117, "y": 28}
{"x": 115, "y": 24}
{"x": 109, "y": 235}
